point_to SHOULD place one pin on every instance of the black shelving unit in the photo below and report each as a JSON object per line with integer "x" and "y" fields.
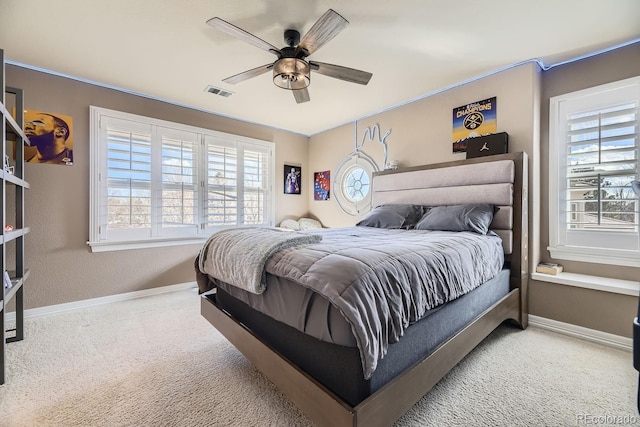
{"x": 12, "y": 240}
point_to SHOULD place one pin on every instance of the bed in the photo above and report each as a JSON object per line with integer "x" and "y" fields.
{"x": 341, "y": 376}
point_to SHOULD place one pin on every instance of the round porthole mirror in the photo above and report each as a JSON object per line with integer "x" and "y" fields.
{"x": 353, "y": 183}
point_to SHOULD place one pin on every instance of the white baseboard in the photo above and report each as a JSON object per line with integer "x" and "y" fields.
{"x": 581, "y": 332}
{"x": 76, "y": 305}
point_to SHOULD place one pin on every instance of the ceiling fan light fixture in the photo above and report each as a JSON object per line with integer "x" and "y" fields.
{"x": 291, "y": 73}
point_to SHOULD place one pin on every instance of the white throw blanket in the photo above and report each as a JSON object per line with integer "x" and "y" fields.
{"x": 237, "y": 256}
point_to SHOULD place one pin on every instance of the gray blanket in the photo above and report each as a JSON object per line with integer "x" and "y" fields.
{"x": 237, "y": 256}
{"x": 384, "y": 280}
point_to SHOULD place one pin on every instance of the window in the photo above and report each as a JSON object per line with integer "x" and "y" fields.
{"x": 353, "y": 183}
{"x": 156, "y": 183}
{"x": 356, "y": 184}
{"x": 593, "y": 158}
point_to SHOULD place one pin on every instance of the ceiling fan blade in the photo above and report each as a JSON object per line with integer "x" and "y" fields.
{"x": 246, "y": 75}
{"x": 324, "y": 29}
{"x": 240, "y": 34}
{"x": 343, "y": 73}
{"x": 301, "y": 95}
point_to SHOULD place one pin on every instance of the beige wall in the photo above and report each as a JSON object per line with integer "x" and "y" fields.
{"x": 421, "y": 131}
{"x": 604, "y": 311}
{"x": 57, "y": 205}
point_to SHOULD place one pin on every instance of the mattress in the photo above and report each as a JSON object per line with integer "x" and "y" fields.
{"x": 299, "y": 307}
{"x": 338, "y": 367}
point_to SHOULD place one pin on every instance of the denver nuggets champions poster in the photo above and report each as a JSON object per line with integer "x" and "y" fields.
{"x": 475, "y": 119}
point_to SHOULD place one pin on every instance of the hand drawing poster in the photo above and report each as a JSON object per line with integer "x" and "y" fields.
{"x": 321, "y": 185}
{"x": 471, "y": 120}
{"x": 50, "y": 136}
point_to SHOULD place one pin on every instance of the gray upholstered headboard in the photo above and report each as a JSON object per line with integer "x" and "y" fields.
{"x": 495, "y": 180}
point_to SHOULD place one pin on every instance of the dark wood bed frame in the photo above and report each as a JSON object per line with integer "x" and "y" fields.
{"x": 393, "y": 400}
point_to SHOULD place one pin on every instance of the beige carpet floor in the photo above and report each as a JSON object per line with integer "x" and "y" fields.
{"x": 154, "y": 361}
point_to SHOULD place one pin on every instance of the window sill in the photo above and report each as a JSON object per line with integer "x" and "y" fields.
{"x": 629, "y": 258}
{"x": 605, "y": 284}
{"x": 123, "y": 246}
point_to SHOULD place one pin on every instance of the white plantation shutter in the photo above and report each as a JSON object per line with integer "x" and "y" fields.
{"x": 239, "y": 182}
{"x": 602, "y": 161}
{"x": 158, "y": 183}
{"x": 256, "y": 185}
{"x": 179, "y": 177}
{"x": 594, "y": 141}
{"x": 222, "y": 183}
{"x": 128, "y": 179}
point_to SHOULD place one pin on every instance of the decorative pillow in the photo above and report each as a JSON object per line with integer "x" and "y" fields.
{"x": 393, "y": 216}
{"x": 290, "y": 224}
{"x": 309, "y": 224}
{"x": 470, "y": 217}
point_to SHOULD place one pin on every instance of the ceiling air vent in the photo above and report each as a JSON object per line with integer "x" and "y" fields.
{"x": 217, "y": 91}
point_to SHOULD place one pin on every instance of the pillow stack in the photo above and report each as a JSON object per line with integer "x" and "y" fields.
{"x": 468, "y": 217}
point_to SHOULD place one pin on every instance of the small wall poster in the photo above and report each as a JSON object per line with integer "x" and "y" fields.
{"x": 321, "y": 185}
{"x": 471, "y": 120}
{"x": 50, "y": 136}
{"x": 292, "y": 179}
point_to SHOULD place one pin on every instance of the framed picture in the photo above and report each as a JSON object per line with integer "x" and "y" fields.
{"x": 471, "y": 120}
{"x": 321, "y": 185}
{"x": 50, "y": 136}
{"x": 292, "y": 179}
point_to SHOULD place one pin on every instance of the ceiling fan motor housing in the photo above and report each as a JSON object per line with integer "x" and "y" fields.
{"x": 291, "y": 37}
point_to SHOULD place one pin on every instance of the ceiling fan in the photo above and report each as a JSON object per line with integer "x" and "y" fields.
{"x": 292, "y": 70}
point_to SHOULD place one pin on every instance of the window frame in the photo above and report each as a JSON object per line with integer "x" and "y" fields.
{"x": 598, "y": 246}
{"x": 156, "y": 235}
{"x": 356, "y": 160}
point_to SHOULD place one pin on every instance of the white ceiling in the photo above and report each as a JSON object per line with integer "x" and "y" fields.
{"x": 164, "y": 49}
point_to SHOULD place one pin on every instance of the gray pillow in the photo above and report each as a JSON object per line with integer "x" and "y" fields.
{"x": 393, "y": 216}
{"x": 470, "y": 217}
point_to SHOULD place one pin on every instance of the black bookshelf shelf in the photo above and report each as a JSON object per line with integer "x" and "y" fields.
{"x": 12, "y": 208}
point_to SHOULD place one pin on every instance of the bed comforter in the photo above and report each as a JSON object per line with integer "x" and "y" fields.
{"x": 383, "y": 280}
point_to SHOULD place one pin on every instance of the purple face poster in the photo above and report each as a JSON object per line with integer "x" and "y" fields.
{"x": 292, "y": 179}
